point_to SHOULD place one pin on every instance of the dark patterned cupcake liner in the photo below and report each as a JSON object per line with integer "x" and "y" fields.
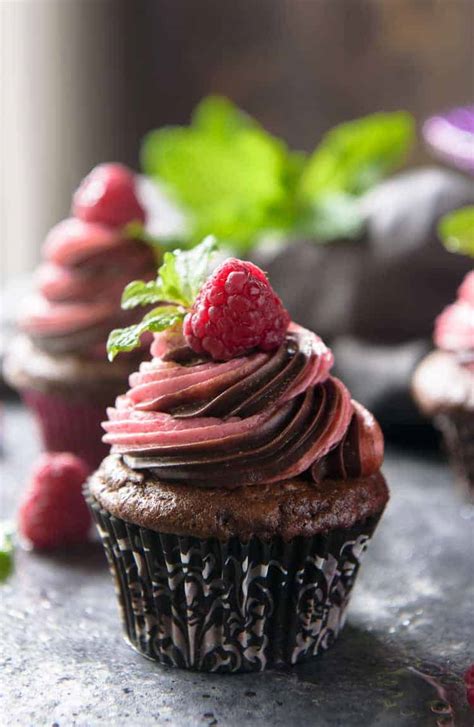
{"x": 231, "y": 606}
{"x": 457, "y": 428}
{"x": 68, "y": 425}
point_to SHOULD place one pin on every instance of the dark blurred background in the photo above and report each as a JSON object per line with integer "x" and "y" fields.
{"x": 84, "y": 80}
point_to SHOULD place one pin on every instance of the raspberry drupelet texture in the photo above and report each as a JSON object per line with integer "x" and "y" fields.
{"x": 236, "y": 311}
{"x": 108, "y": 195}
{"x": 53, "y": 512}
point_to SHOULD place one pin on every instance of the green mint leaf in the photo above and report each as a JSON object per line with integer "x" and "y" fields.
{"x": 182, "y": 274}
{"x": 334, "y": 217}
{"x": 172, "y": 287}
{"x": 127, "y": 339}
{"x": 179, "y": 278}
{"x": 192, "y": 268}
{"x": 6, "y": 549}
{"x": 226, "y": 171}
{"x": 355, "y": 155}
{"x": 217, "y": 116}
{"x": 139, "y": 292}
{"x": 457, "y": 231}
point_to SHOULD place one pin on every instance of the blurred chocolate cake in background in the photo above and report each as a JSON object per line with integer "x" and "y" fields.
{"x": 375, "y": 298}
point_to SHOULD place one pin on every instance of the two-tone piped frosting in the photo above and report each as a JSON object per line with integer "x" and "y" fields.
{"x": 235, "y": 393}
{"x": 79, "y": 286}
{"x": 259, "y": 418}
{"x": 87, "y": 261}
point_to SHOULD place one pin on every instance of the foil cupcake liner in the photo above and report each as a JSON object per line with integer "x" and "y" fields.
{"x": 457, "y": 428}
{"x": 68, "y": 426}
{"x": 230, "y": 606}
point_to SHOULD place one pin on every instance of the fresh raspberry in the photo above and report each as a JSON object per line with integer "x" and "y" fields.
{"x": 108, "y": 195}
{"x": 236, "y": 311}
{"x": 53, "y": 511}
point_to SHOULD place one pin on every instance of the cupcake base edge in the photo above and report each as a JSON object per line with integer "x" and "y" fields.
{"x": 235, "y": 606}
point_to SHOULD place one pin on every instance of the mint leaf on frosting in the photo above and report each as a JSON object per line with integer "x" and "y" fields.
{"x": 192, "y": 268}
{"x": 138, "y": 292}
{"x": 179, "y": 280}
{"x": 159, "y": 319}
{"x": 457, "y": 231}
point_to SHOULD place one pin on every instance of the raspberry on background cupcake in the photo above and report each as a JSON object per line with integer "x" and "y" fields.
{"x": 57, "y": 361}
{"x": 244, "y": 482}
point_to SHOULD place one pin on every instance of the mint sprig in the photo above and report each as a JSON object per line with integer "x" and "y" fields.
{"x": 224, "y": 169}
{"x": 179, "y": 280}
{"x": 355, "y": 155}
{"x": 126, "y": 339}
{"x": 234, "y": 179}
{"x": 456, "y": 230}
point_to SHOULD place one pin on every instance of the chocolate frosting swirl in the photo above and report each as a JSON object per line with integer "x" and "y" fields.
{"x": 260, "y": 418}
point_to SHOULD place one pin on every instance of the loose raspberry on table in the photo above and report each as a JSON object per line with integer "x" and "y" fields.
{"x": 236, "y": 311}
{"x": 53, "y": 512}
{"x": 469, "y": 681}
{"x": 108, "y": 195}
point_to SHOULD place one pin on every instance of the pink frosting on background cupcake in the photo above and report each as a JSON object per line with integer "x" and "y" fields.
{"x": 454, "y": 327}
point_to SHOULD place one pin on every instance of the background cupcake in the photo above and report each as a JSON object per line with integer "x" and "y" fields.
{"x": 244, "y": 483}
{"x": 58, "y": 360}
{"x": 443, "y": 384}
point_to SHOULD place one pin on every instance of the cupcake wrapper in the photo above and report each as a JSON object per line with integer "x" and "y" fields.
{"x": 68, "y": 426}
{"x": 233, "y": 606}
{"x": 458, "y": 434}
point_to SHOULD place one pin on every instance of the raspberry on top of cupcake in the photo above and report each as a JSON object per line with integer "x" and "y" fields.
{"x": 87, "y": 260}
{"x": 235, "y": 394}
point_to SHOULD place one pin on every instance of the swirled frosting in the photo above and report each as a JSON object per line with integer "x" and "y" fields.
{"x": 454, "y": 327}
{"x": 260, "y": 418}
{"x": 79, "y": 286}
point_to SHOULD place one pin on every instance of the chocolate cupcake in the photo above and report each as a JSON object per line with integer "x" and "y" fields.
{"x": 443, "y": 384}
{"x": 244, "y": 483}
{"x": 58, "y": 360}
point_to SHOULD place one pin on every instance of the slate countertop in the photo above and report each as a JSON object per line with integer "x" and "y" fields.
{"x": 408, "y": 639}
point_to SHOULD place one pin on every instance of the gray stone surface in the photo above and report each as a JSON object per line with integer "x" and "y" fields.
{"x": 408, "y": 639}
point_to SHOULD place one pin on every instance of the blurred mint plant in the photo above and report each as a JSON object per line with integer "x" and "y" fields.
{"x": 456, "y": 230}
{"x": 237, "y": 181}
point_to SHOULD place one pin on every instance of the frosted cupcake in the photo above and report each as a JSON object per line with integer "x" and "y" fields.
{"x": 443, "y": 384}
{"x": 244, "y": 483}
{"x": 58, "y": 361}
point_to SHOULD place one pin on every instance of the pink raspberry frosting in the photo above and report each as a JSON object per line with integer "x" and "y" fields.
{"x": 259, "y": 418}
{"x": 79, "y": 285}
{"x": 454, "y": 327}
